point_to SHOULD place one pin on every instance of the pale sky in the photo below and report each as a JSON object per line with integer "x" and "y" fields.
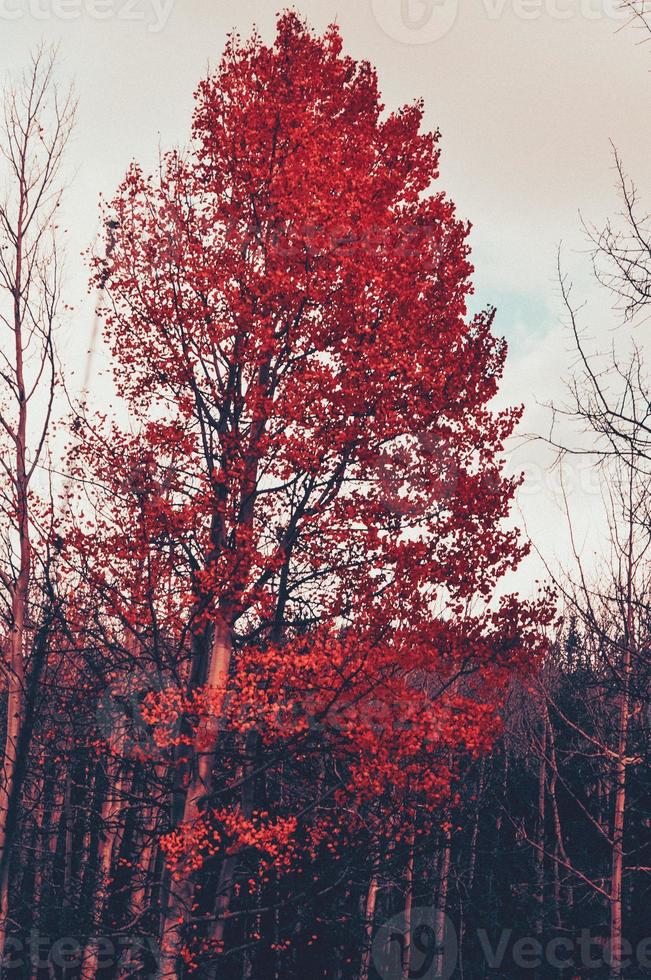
{"x": 527, "y": 95}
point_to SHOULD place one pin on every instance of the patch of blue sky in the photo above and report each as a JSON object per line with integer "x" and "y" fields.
{"x": 523, "y": 318}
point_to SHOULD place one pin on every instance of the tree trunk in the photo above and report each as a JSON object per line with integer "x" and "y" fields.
{"x": 442, "y": 902}
{"x": 409, "y": 900}
{"x": 181, "y": 892}
{"x": 560, "y": 850}
{"x": 617, "y": 861}
{"x": 20, "y": 591}
{"x": 108, "y": 842}
{"x": 369, "y": 922}
{"x": 621, "y": 763}
{"x": 540, "y": 848}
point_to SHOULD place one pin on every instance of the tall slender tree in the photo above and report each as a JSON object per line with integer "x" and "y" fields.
{"x": 316, "y": 466}
{"x": 37, "y": 124}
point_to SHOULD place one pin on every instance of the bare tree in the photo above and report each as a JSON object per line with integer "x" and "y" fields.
{"x": 37, "y": 123}
{"x": 610, "y": 399}
{"x": 640, "y": 15}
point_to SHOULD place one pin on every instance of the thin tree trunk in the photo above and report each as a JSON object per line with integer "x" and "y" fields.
{"x": 560, "y": 850}
{"x": 20, "y": 591}
{"x": 617, "y": 863}
{"x": 442, "y": 902}
{"x": 540, "y": 849}
{"x": 409, "y": 900}
{"x": 472, "y": 862}
{"x": 369, "y": 921}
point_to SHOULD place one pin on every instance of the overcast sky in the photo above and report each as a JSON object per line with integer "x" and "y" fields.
{"x": 527, "y": 94}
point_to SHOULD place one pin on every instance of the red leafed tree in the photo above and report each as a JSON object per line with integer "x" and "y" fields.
{"x": 311, "y": 493}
